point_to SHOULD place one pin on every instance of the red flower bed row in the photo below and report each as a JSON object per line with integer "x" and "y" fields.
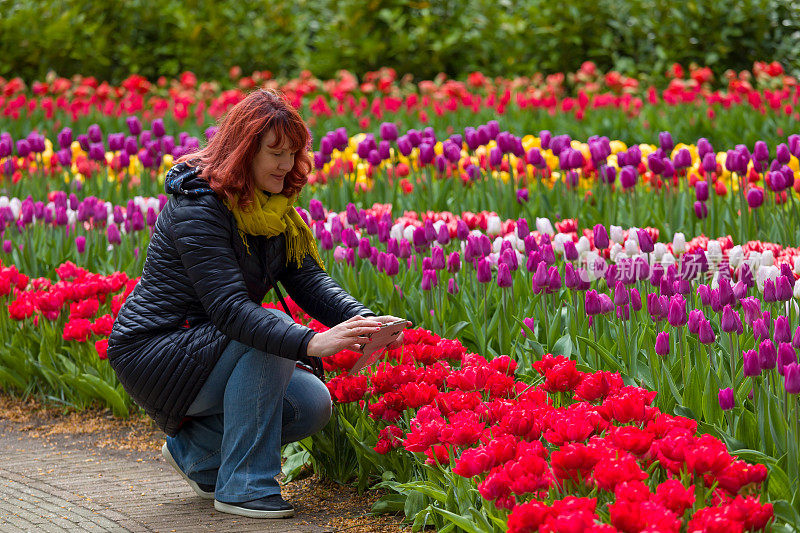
{"x": 571, "y": 451}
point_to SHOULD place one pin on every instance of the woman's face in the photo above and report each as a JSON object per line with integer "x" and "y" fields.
{"x": 271, "y": 164}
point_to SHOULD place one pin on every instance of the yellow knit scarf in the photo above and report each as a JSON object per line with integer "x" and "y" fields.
{"x": 270, "y": 215}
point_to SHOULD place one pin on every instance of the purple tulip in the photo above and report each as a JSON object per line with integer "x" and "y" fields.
{"x": 627, "y": 177}
{"x": 453, "y": 262}
{"x": 112, "y": 233}
{"x": 731, "y": 321}
{"x": 606, "y": 305}
{"x": 755, "y": 197}
{"x": 620, "y": 294}
{"x": 703, "y": 147}
{"x": 791, "y": 376}
{"x": 592, "y": 305}
{"x": 392, "y": 265}
{"x": 676, "y": 315}
{"x": 709, "y": 162}
{"x": 796, "y": 338}
{"x": 522, "y": 196}
{"x": 683, "y": 159}
{"x": 696, "y": 316}
{"x": 782, "y": 332}
{"x": 767, "y": 354}
{"x": 786, "y": 356}
{"x": 608, "y": 175}
{"x": 504, "y": 276}
{"x": 80, "y": 243}
{"x": 665, "y": 140}
{"x": 782, "y": 154}
{"x": 760, "y": 151}
{"x": 426, "y": 153}
{"x": 452, "y": 286}
{"x": 134, "y": 126}
{"x": 388, "y": 131}
{"x": 700, "y": 210}
{"x": 701, "y": 190}
{"x": 645, "y": 242}
{"x": 65, "y": 138}
{"x": 95, "y": 133}
{"x": 429, "y": 280}
{"x": 600, "y": 236}
{"x": 484, "y": 271}
{"x": 662, "y": 343}
{"x": 726, "y": 400}
{"x": 570, "y": 251}
{"x": 752, "y": 366}
{"x": 316, "y": 209}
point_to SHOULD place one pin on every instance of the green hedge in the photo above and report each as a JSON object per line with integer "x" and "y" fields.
{"x": 114, "y": 38}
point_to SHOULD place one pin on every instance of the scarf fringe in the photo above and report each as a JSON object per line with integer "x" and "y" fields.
{"x": 300, "y": 241}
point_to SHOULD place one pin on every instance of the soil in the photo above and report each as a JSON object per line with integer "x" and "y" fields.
{"x": 334, "y": 505}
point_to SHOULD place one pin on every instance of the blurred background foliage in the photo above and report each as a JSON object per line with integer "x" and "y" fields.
{"x": 114, "y": 38}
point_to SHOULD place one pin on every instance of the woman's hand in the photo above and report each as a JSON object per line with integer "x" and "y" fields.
{"x": 349, "y": 335}
{"x": 386, "y": 319}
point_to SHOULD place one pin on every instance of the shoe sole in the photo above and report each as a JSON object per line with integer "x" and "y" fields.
{"x": 171, "y": 461}
{"x": 251, "y": 513}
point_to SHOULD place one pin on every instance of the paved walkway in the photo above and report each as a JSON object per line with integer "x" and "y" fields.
{"x": 54, "y": 486}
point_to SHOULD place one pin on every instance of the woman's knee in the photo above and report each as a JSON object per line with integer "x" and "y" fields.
{"x": 311, "y": 399}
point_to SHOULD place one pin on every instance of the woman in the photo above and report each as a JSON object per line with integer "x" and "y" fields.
{"x": 192, "y": 344}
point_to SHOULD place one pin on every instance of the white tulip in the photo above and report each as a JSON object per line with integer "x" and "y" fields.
{"x": 496, "y": 244}
{"x": 3, "y": 201}
{"x": 679, "y": 243}
{"x": 767, "y": 258}
{"x": 583, "y": 245}
{"x": 408, "y": 233}
{"x": 395, "y": 233}
{"x": 633, "y": 235}
{"x": 765, "y": 273}
{"x": 15, "y": 205}
{"x": 715, "y": 281}
{"x": 659, "y": 249}
{"x": 714, "y": 252}
{"x": 543, "y": 225}
{"x": 631, "y": 247}
{"x": 616, "y": 234}
{"x": 796, "y": 291}
{"x": 735, "y": 256}
{"x": 615, "y": 250}
{"x": 668, "y": 259}
{"x": 494, "y": 226}
{"x": 797, "y": 265}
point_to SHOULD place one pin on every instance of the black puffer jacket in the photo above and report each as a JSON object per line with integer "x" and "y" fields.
{"x": 198, "y": 271}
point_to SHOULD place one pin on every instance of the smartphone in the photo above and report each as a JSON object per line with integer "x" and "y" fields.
{"x": 377, "y": 342}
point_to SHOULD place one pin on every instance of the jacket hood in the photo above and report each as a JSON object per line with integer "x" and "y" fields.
{"x": 185, "y": 179}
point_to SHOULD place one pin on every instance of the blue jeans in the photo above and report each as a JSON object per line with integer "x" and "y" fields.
{"x": 252, "y": 403}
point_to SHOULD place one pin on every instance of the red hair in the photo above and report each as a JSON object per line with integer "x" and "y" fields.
{"x": 227, "y": 159}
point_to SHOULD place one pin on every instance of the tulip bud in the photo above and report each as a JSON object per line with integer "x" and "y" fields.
{"x": 751, "y": 366}
{"x": 791, "y": 376}
{"x": 726, "y": 400}
{"x": 755, "y": 197}
{"x": 767, "y": 354}
{"x": 786, "y": 356}
{"x": 662, "y": 343}
{"x": 484, "y": 272}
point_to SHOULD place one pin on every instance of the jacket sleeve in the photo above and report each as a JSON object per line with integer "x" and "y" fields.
{"x": 319, "y": 295}
{"x": 202, "y": 235}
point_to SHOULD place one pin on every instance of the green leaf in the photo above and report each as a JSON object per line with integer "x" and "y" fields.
{"x": 389, "y": 503}
{"x": 778, "y": 485}
{"x": 563, "y": 346}
{"x": 463, "y": 522}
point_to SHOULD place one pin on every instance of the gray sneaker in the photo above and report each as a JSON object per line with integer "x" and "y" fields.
{"x": 204, "y": 491}
{"x": 272, "y": 506}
